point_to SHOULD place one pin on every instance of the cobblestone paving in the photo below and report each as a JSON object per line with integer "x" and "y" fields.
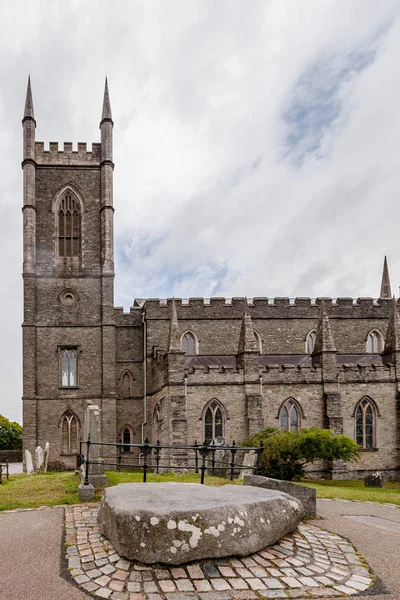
{"x": 310, "y": 563}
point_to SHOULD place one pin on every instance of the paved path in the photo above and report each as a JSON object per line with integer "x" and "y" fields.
{"x": 30, "y": 548}
{"x": 377, "y": 538}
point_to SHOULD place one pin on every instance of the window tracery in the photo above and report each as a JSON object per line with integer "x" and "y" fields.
{"x": 69, "y": 226}
{"x": 69, "y": 433}
{"x": 189, "y": 343}
{"x": 365, "y": 424}
{"x": 213, "y": 421}
{"x": 290, "y": 416}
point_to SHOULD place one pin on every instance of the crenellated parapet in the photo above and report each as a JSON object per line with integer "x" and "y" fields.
{"x": 359, "y": 373}
{"x": 131, "y": 319}
{"x": 216, "y": 374}
{"x": 268, "y": 308}
{"x": 283, "y": 374}
{"x": 66, "y": 156}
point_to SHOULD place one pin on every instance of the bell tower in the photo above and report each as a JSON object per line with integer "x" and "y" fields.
{"x": 68, "y": 273}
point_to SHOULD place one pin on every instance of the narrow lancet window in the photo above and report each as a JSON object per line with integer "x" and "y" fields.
{"x": 289, "y": 416}
{"x": 69, "y": 367}
{"x": 69, "y": 227}
{"x": 365, "y": 424}
{"x": 213, "y": 422}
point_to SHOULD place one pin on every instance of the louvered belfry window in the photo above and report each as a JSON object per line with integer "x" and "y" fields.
{"x": 69, "y": 227}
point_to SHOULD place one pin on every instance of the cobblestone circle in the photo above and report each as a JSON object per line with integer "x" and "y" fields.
{"x": 310, "y": 563}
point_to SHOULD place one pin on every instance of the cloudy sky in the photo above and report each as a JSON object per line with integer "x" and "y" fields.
{"x": 256, "y": 143}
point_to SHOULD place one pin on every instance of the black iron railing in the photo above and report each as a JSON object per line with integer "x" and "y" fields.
{"x": 150, "y": 457}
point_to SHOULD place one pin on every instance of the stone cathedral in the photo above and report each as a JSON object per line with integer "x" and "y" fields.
{"x": 176, "y": 370}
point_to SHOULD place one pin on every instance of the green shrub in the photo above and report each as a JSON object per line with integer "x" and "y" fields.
{"x": 10, "y": 435}
{"x": 287, "y": 453}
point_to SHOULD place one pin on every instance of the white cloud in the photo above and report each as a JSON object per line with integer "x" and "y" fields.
{"x": 255, "y": 143}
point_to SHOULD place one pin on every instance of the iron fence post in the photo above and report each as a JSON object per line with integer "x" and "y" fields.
{"x": 232, "y": 465}
{"x": 204, "y": 451}
{"x": 212, "y": 457}
{"x": 119, "y": 459}
{"x": 196, "y": 456}
{"x": 146, "y": 451}
{"x": 157, "y": 456}
{"x": 260, "y": 451}
{"x": 87, "y": 462}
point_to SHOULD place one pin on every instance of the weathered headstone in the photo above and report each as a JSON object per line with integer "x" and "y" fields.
{"x": 218, "y": 458}
{"x": 46, "y": 457}
{"x": 39, "y": 459}
{"x": 249, "y": 460}
{"x": 375, "y": 480}
{"x": 29, "y": 463}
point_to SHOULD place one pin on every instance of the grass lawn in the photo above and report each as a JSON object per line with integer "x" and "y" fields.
{"x": 31, "y": 491}
{"x": 24, "y": 491}
{"x": 355, "y": 490}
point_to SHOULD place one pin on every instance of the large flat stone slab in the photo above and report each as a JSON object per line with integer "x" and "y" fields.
{"x": 176, "y": 523}
{"x": 307, "y": 496}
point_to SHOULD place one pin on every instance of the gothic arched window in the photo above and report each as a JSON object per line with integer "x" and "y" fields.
{"x": 126, "y": 384}
{"x": 69, "y": 433}
{"x": 365, "y": 423}
{"x": 258, "y": 341}
{"x": 374, "y": 342}
{"x": 310, "y": 341}
{"x": 127, "y": 438}
{"x": 188, "y": 343}
{"x": 290, "y": 416}
{"x": 69, "y": 226}
{"x": 213, "y": 421}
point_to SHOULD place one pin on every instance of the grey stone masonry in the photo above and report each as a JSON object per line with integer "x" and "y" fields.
{"x": 307, "y": 496}
{"x": 249, "y": 357}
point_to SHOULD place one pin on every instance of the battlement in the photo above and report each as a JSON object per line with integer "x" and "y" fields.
{"x": 80, "y": 157}
{"x": 267, "y": 308}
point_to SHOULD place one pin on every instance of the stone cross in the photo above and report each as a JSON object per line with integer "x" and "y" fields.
{"x": 29, "y": 463}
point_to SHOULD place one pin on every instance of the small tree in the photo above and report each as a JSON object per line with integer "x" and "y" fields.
{"x": 287, "y": 453}
{"x": 10, "y": 434}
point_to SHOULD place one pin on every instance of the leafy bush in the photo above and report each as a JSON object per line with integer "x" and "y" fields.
{"x": 287, "y": 453}
{"x": 10, "y": 434}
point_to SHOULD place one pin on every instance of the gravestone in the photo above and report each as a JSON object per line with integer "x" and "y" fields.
{"x": 46, "y": 457}
{"x": 39, "y": 459}
{"x": 375, "y": 480}
{"x": 219, "y": 456}
{"x": 249, "y": 460}
{"x": 29, "y": 463}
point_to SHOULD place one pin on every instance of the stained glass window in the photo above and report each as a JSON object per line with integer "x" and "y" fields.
{"x": 213, "y": 422}
{"x": 365, "y": 424}
{"x": 289, "y": 416}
